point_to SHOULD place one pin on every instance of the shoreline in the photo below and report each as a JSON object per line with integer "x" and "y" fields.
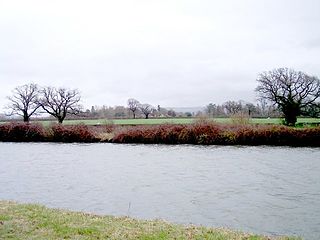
{"x": 36, "y": 221}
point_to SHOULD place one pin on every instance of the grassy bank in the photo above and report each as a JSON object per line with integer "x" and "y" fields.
{"x": 26, "y": 221}
{"x": 200, "y": 133}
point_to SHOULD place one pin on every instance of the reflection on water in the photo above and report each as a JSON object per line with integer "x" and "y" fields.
{"x": 268, "y": 190}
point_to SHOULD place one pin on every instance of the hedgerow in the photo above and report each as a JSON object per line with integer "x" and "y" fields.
{"x": 219, "y": 134}
{"x": 200, "y": 133}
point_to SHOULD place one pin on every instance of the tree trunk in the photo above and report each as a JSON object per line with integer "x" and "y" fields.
{"x": 291, "y": 119}
{"x": 60, "y": 120}
{"x": 62, "y": 116}
{"x": 26, "y": 117}
{"x": 290, "y": 114}
{"x": 134, "y": 115}
{"x": 147, "y": 116}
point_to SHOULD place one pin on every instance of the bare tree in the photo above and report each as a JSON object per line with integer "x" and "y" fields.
{"x": 313, "y": 110}
{"x": 133, "y": 105}
{"x": 146, "y": 109}
{"x": 24, "y": 101}
{"x": 291, "y": 91}
{"x": 60, "y": 102}
{"x": 211, "y": 109}
{"x": 251, "y": 109}
{"x": 263, "y": 107}
{"x": 172, "y": 113}
{"x": 233, "y": 107}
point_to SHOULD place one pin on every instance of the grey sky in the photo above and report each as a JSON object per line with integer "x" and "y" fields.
{"x": 167, "y": 52}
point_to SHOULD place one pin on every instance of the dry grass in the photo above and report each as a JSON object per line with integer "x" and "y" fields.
{"x": 240, "y": 119}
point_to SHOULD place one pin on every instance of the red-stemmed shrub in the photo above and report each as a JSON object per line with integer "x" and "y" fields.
{"x": 211, "y": 133}
{"x": 206, "y": 133}
{"x": 73, "y": 133}
{"x": 203, "y": 133}
{"x": 22, "y": 132}
{"x": 167, "y": 133}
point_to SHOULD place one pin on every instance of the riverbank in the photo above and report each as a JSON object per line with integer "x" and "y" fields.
{"x": 199, "y": 133}
{"x": 30, "y": 221}
{"x": 205, "y": 133}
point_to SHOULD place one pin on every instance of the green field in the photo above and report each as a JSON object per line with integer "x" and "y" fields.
{"x": 153, "y": 121}
{"x": 29, "y": 221}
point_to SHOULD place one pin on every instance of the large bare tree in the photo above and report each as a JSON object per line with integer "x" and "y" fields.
{"x": 24, "y": 101}
{"x": 291, "y": 91}
{"x": 133, "y": 105}
{"x": 60, "y": 102}
{"x": 146, "y": 109}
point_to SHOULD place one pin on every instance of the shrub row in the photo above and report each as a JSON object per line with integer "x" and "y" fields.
{"x": 204, "y": 133}
{"x": 24, "y": 132}
{"x": 210, "y": 133}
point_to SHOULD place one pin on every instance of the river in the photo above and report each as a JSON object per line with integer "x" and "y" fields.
{"x": 264, "y": 190}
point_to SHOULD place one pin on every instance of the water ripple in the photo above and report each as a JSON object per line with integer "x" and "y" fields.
{"x": 267, "y": 190}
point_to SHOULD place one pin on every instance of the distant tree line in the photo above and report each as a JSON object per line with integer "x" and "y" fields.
{"x": 230, "y": 108}
{"x": 133, "y": 110}
{"x": 282, "y": 92}
{"x": 226, "y": 109}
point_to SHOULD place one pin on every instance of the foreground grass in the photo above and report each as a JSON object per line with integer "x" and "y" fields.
{"x": 28, "y": 221}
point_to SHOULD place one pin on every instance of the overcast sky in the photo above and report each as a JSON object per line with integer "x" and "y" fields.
{"x": 167, "y": 52}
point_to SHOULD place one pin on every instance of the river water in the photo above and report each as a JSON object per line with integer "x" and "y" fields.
{"x": 264, "y": 190}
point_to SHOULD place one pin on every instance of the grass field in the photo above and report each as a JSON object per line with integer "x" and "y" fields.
{"x": 154, "y": 121}
{"x": 29, "y": 221}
